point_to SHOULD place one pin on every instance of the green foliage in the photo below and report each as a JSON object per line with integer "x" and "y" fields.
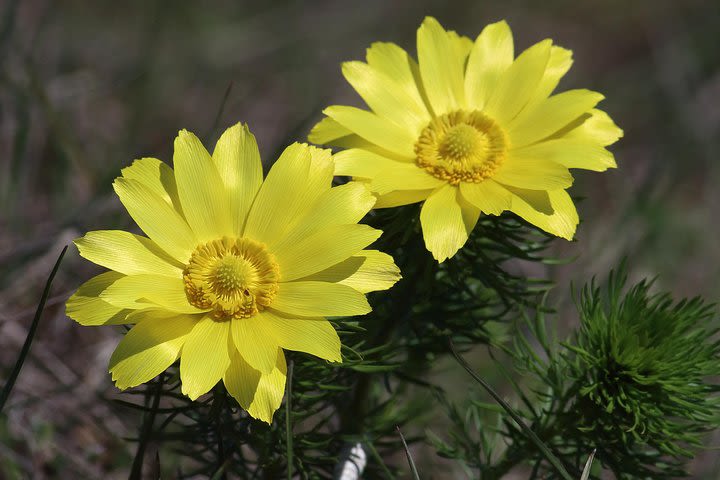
{"x": 466, "y": 299}
{"x": 634, "y": 382}
{"x": 639, "y": 367}
{"x": 470, "y": 437}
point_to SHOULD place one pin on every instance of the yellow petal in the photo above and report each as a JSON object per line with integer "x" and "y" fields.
{"x": 375, "y": 129}
{"x": 259, "y": 394}
{"x": 291, "y": 188}
{"x": 461, "y": 44}
{"x": 562, "y": 222}
{"x": 315, "y": 336}
{"x": 551, "y": 115}
{"x": 237, "y": 159}
{"x": 397, "y": 66}
{"x": 205, "y": 356}
{"x": 402, "y": 197}
{"x": 330, "y": 132}
{"x": 160, "y": 221}
{"x": 490, "y": 197}
{"x": 157, "y": 176}
{"x": 385, "y": 97}
{"x": 326, "y": 131}
{"x": 149, "y": 291}
{"x": 539, "y": 200}
{"x": 254, "y": 339}
{"x": 490, "y": 56}
{"x": 86, "y": 308}
{"x": 519, "y": 82}
{"x": 533, "y": 173}
{"x": 558, "y": 65}
{"x": 204, "y": 203}
{"x": 403, "y": 176}
{"x": 149, "y": 348}
{"x": 126, "y": 253}
{"x": 343, "y": 205}
{"x": 597, "y": 128}
{"x": 323, "y": 249}
{"x": 440, "y": 67}
{"x": 320, "y": 299}
{"x": 367, "y": 271}
{"x": 470, "y": 213}
{"x": 571, "y": 153}
{"x": 321, "y": 161}
{"x": 442, "y": 222}
{"x": 356, "y": 162}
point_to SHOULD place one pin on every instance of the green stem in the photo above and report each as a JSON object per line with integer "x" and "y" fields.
{"x": 218, "y": 405}
{"x": 288, "y": 425}
{"x": 401, "y": 299}
{"x": 136, "y": 471}
{"x": 374, "y": 453}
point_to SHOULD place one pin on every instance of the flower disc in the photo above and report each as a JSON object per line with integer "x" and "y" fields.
{"x": 235, "y": 277}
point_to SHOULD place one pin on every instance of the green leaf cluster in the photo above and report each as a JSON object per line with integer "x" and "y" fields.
{"x": 635, "y": 381}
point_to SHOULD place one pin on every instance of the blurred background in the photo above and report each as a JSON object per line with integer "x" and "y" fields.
{"x": 86, "y": 87}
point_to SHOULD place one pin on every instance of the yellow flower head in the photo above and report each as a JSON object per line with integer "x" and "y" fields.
{"x": 469, "y": 129}
{"x": 233, "y": 269}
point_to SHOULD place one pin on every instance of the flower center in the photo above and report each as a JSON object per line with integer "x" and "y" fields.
{"x": 461, "y": 147}
{"x": 234, "y": 277}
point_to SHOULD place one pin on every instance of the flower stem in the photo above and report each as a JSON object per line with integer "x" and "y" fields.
{"x": 136, "y": 471}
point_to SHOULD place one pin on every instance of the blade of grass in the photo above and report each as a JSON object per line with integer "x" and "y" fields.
{"x": 288, "y": 426}
{"x": 31, "y": 333}
{"x": 219, "y": 114}
{"x": 588, "y": 466}
{"x": 535, "y": 439}
{"x": 413, "y": 468}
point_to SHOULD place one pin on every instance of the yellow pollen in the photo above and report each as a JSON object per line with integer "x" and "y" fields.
{"x": 461, "y": 142}
{"x": 232, "y": 277}
{"x": 461, "y": 147}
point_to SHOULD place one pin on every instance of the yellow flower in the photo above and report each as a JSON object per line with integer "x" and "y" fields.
{"x": 468, "y": 129}
{"x": 234, "y": 269}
